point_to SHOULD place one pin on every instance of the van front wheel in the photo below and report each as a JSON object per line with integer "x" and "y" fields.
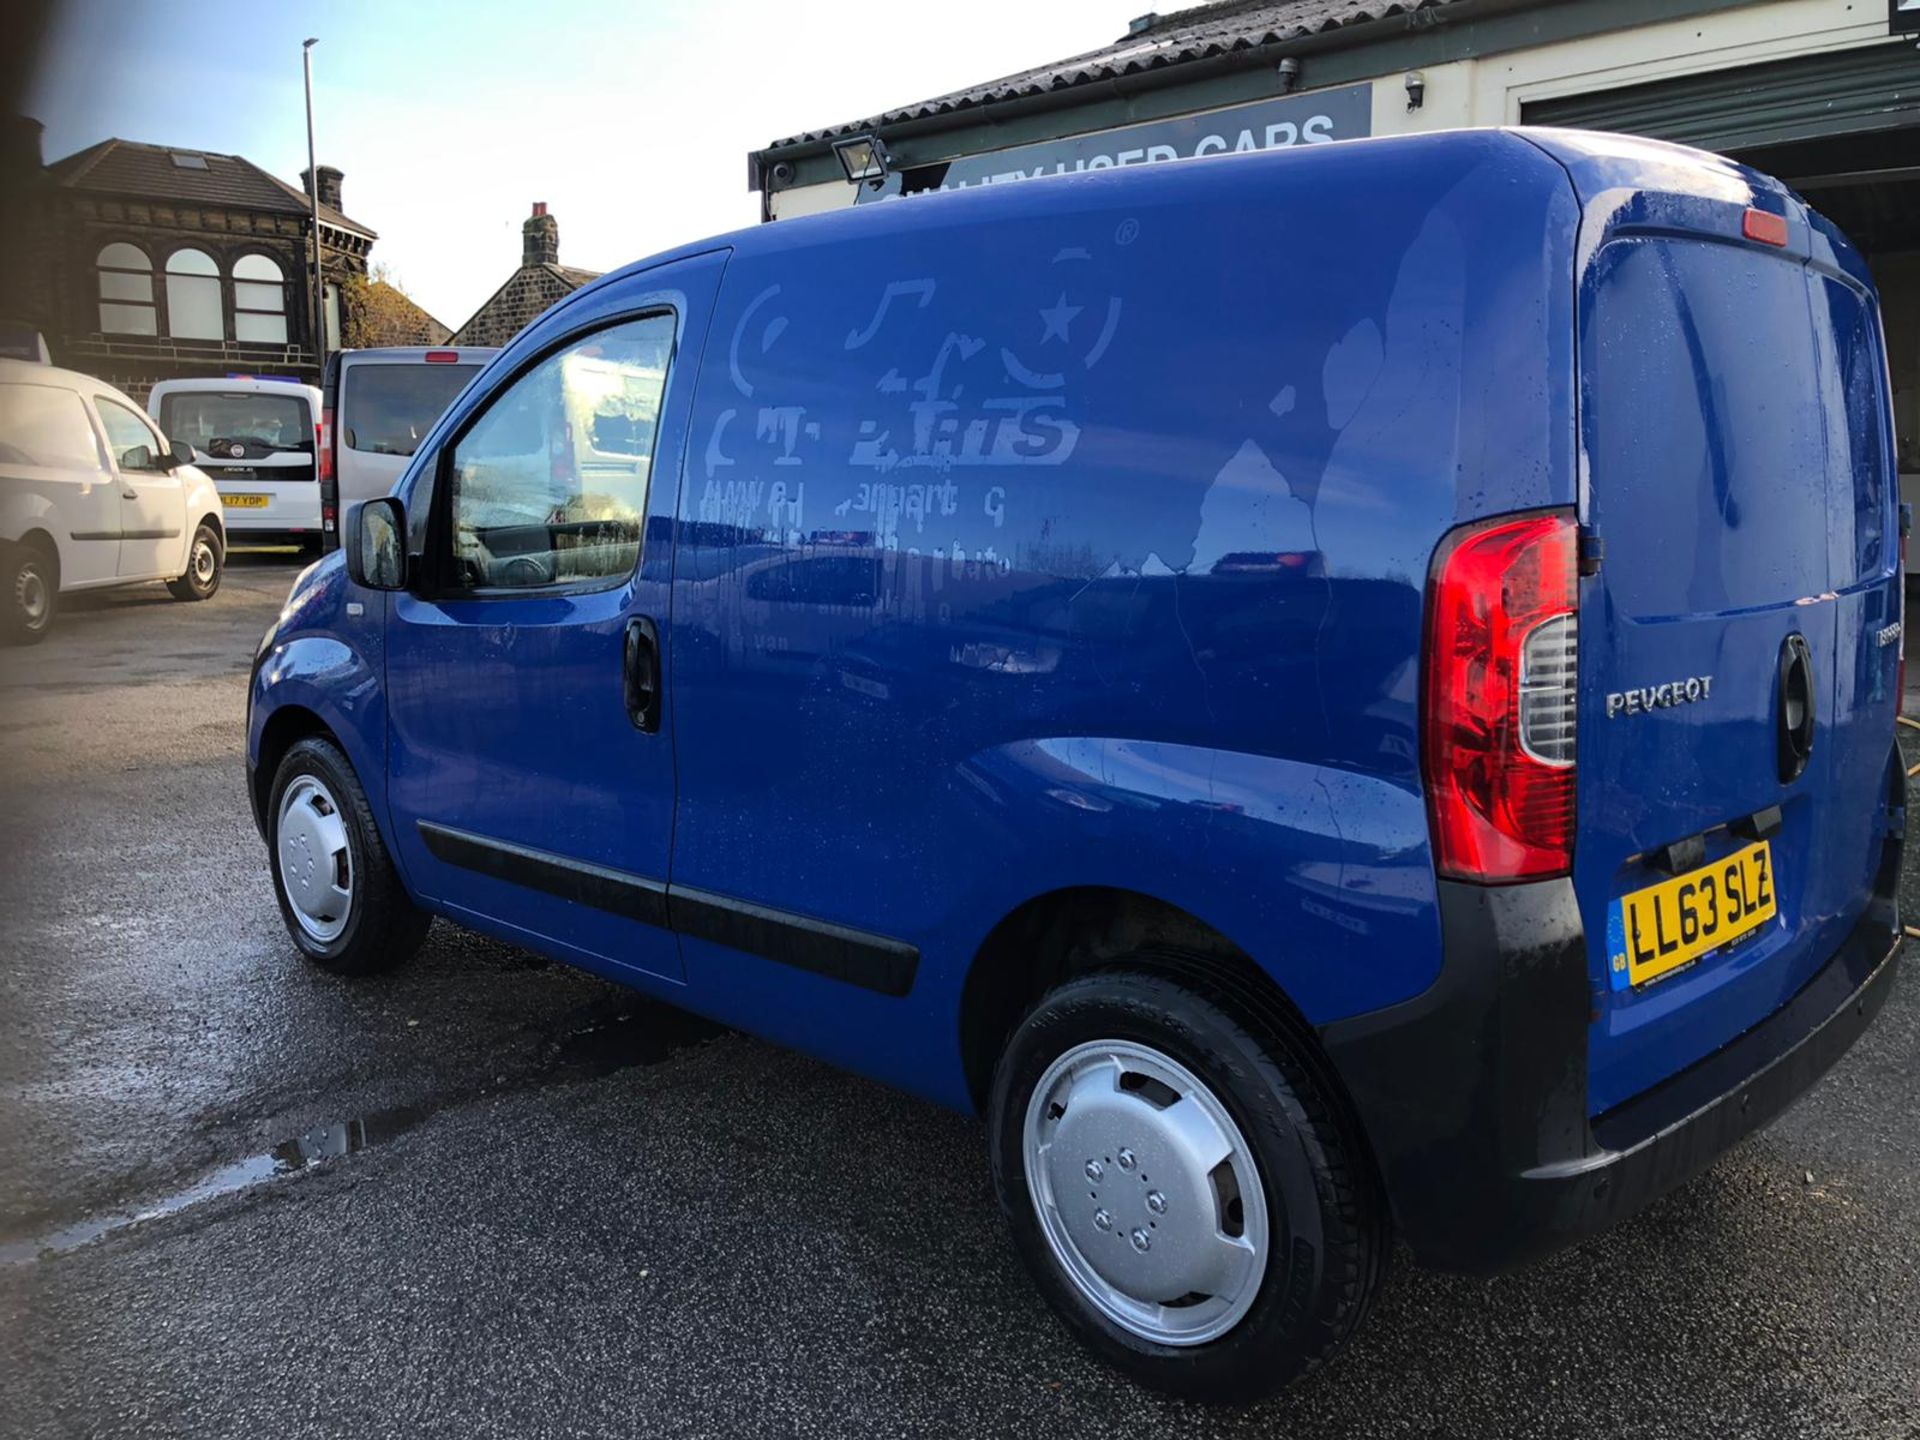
{"x": 205, "y": 559}
{"x": 339, "y": 893}
{"x": 1183, "y": 1186}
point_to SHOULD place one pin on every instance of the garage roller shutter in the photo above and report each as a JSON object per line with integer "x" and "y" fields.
{"x": 1849, "y": 91}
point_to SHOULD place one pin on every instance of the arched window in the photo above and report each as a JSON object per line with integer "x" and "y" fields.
{"x": 259, "y": 301}
{"x": 126, "y": 290}
{"x": 193, "y": 297}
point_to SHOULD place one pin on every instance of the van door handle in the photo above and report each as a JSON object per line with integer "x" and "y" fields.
{"x": 1796, "y": 706}
{"x": 642, "y": 669}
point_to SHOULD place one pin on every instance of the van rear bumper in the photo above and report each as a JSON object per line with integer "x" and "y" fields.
{"x": 1474, "y": 1094}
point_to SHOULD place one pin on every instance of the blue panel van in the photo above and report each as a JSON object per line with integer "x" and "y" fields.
{"x": 1328, "y": 695}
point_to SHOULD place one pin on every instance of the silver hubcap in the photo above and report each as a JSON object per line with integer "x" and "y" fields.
{"x": 1147, "y": 1192}
{"x": 202, "y": 562}
{"x": 30, "y": 595}
{"x": 316, "y": 865}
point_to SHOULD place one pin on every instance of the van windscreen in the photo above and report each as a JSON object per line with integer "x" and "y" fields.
{"x": 280, "y": 422}
{"x": 389, "y": 409}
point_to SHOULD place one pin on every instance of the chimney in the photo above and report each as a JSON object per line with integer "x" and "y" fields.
{"x": 20, "y": 146}
{"x": 540, "y": 237}
{"x": 329, "y": 184}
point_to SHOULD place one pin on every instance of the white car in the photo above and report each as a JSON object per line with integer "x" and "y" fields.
{"x": 256, "y": 439}
{"x": 92, "y": 496}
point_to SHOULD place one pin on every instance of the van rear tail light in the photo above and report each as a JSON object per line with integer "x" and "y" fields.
{"x": 443, "y": 357}
{"x": 329, "y": 492}
{"x": 1500, "y": 696}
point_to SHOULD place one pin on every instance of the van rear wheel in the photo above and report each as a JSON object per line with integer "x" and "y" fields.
{"x": 1183, "y": 1186}
{"x": 32, "y": 591}
{"x": 339, "y": 893}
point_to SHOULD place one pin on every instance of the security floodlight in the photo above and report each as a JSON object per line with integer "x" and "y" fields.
{"x": 863, "y": 157}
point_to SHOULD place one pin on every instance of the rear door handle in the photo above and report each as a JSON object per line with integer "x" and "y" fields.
{"x": 1796, "y": 706}
{"x": 642, "y": 674}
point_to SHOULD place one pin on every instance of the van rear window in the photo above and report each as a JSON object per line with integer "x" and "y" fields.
{"x": 281, "y": 422}
{"x": 389, "y": 408}
{"x": 1704, "y": 427}
{"x": 1857, "y": 449}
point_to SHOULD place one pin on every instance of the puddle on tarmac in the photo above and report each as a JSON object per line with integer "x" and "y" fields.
{"x": 289, "y": 1157}
{"x": 604, "y": 1039}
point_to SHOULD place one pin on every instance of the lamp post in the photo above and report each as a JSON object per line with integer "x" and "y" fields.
{"x": 313, "y": 198}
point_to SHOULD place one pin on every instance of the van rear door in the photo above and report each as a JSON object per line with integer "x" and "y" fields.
{"x": 1739, "y": 629}
{"x": 386, "y": 407}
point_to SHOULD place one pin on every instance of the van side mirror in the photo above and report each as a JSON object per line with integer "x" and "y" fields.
{"x": 179, "y": 453}
{"x": 137, "y": 457}
{"x": 377, "y": 544}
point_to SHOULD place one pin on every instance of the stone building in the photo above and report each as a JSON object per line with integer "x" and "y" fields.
{"x": 155, "y": 262}
{"x": 538, "y": 283}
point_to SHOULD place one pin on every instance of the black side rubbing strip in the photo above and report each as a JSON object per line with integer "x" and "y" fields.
{"x": 839, "y": 952}
{"x": 859, "y": 957}
{"x": 614, "y": 891}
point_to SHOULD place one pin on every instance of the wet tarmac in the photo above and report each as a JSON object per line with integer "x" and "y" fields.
{"x": 490, "y": 1196}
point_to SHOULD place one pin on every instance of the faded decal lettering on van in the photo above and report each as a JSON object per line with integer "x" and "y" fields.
{"x": 941, "y": 399}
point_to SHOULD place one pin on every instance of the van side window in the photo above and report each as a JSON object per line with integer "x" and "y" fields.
{"x": 126, "y": 433}
{"x": 40, "y": 425}
{"x": 549, "y": 486}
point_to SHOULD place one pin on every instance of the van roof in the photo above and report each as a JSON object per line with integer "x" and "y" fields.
{"x": 1676, "y": 168}
{"x": 417, "y": 354}
{"x": 234, "y": 385}
{"x": 32, "y": 372}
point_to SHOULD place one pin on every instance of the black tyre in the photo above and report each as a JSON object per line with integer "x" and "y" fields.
{"x": 1199, "y": 1211}
{"x": 206, "y": 559}
{"x": 32, "y": 593}
{"x": 339, "y": 894}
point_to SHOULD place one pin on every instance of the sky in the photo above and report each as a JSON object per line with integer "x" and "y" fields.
{"x": 631, "y": 119}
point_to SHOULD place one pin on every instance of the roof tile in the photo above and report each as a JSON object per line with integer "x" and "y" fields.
{"x": 1177, "y": 38}
{"x": 126, "y": 167}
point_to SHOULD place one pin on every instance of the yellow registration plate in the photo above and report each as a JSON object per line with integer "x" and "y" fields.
{"x": 1662, "y": 927}
{"x": 244, "y": 502}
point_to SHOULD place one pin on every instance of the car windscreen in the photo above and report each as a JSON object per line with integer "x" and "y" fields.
{"x": 388, "y": 409}
{"x": 200, "y": 417}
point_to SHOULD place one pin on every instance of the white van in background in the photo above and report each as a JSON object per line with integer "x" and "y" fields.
{"x": 257, "y": 440}
{"x": 92, "y": 496}
{"x": 379, "y": 406}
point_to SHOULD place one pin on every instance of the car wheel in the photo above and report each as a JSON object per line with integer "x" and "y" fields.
{"x": 32, "y": 593}
{"x": 206, "y": 557}
{"x": 1184, "y": 1186}
{"x": 339, "y": 893}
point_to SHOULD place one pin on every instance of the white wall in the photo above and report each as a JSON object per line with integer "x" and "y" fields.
{"x": 1491, "y": 91}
